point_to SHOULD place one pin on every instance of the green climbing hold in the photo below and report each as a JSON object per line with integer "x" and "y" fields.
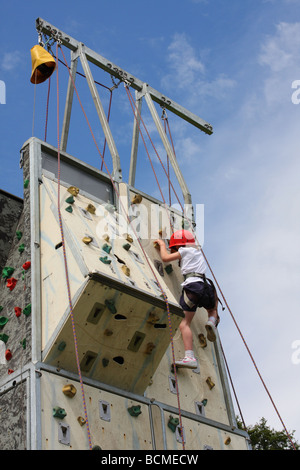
{"x": 23, "y": 343}
{"x": 3, "y": 321}
{"x": 21, "y": 248}
{"x": 69, "y": 209}
{"x": 126, "y": 246}
{"x": 70, "y": 200}
{"x": 4, "y": 337}
{"x": 110, "y": 304}
{"x": 59, "y": 412}
{"x": 169, "y": 269}
{"x": 27, "y": 310}
{"x": 135, "y": 410}
{"x": 173, "y": 423}
{"x": 26, "y": 183}
{"x": 105, "y": 259}
{"x": 62, "y": 346}
{"x": 7, "y": 272}
{"x": 106, "y": 247}
{"x": 19, "y": 234}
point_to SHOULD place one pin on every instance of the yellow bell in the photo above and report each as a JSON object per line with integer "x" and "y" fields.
{"x": 43, "y": 64}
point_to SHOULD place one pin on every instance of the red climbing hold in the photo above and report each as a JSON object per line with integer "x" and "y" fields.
{"x": 18, "y": 311}
{"x": 26, "y": 265}
{"x": 11, "y": 283}
{"x": 10, "y": 371}
{"x": 8, "y": 354}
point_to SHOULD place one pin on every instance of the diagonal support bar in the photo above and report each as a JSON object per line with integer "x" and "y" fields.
{"x": 117, "y": 172}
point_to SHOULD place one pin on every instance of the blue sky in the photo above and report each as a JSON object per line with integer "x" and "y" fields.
{"x": 233, "y": 64}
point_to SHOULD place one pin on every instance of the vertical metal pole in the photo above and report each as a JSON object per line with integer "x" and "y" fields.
{"x": 117, "y": 172}
{"x": 69, "y": 101}
{"x": 135, "y": 140}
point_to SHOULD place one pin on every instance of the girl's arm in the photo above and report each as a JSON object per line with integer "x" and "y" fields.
{"x": 164, "y": 254}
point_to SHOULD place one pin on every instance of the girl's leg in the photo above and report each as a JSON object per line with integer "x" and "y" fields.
{"x": 186, "y": 332}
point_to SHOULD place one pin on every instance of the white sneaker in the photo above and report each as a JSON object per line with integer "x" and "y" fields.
{"x": 211, "y": 330}
{"x": 188, "y": 362}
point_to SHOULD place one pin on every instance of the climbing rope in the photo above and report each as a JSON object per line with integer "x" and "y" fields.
{"x": 66, "y": 264}
{"x": 146, "y": 257}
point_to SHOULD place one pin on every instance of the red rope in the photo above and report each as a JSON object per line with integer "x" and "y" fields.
{"x": 66, "y": 264}
{"x": 146, "y": 257}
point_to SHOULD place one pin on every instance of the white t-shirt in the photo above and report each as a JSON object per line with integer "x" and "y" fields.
{"x": 192, "y": 261}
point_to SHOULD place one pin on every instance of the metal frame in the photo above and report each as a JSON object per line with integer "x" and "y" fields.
{"x": 151, "y": 95}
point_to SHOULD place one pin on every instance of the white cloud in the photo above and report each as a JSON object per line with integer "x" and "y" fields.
{"x": 11, "y": 61}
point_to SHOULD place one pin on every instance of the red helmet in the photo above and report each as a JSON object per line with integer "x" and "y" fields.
{"x": 181, "y": 237}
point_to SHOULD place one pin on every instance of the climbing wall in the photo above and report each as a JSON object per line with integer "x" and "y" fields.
{"x": 109, "y": 294}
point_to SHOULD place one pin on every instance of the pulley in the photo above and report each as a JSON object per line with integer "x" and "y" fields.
{"x": 43, "y": 64}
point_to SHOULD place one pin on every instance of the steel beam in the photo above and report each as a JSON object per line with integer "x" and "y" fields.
{"x": 116, "y": 71}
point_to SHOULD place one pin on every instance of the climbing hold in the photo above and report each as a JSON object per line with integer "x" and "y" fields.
{"x": 81, "y": 420}
{"x": 18, "y": 311}
{"x": 91, "y": 209}
{"x": 108, "y": 332}
{"x": 69, "y": 209}
{"x": 169, "y": 269}
{"x": 149, "y": 348}
{"x": 87, "y": 240}
{"x": 69, "y": 390}
{"x": 125, "y": 270}
{"x": 1, "y": 308}
{"x": 137, "y": 199}
{"x": 128, "y": 237}
{"x": 23, "y": 343}
{"x": 10, "y": 371}
{"x": 73, "y": 190}
{"x": 26, "y": 265}
{"x": 173, "y": 423}
{"x": 210, "y": 383}
{"x": 19, "y": 234}
{"x": 26, "y": 183}
{"x": 135, "y": 410}
{"x": 204, "y": 401}
{"x": 61, "y": 345}
{"x": 58, "y": 412}
{"x": 126, "y": 246}
{"x": 11, "y": 283}
{"x": 227, "y": 441}
{"x": 4, "y": 337}
{"x": 107, "y": 248}
{"x": 105, "y": 237}
{"x": 8, "y": 354}
{"x": 202, "y": 340}
{"x": 21, "y": 248}
{"x": 7, "y": 272}
{"x": 110, "y": 304}
{"x": 27, "y": 310}
{"x": 3, "y": 321}
{"x": 105, "y": 362}
{"x": 152, "y": 318}
{"x": 70, "y": 200}
{"x": 105, "y": 259}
